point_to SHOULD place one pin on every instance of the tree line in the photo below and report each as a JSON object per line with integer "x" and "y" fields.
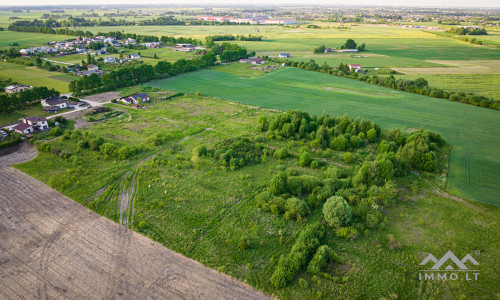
{"x": 10, "y": 102}
{"x": 132, "y": 75}
{"x": 418, "y": 86}
{"x": 467, "y": 31}
{"x": 229, "y": 37}
{"x": 170, "y": 40}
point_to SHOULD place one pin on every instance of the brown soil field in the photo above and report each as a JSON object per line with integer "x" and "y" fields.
{"x": 52, "y": 247}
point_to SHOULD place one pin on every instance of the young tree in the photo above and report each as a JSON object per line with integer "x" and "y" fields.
{"x": 337, "y": 211}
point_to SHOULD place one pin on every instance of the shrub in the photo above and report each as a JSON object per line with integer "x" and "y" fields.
{"x": 289, "y": 265}
{"x": 296, "y": 206}
{"x": 337, "y": 211}
{"x": 200, "y": 150}
{"x": 56, "y": 131}
{"x": 349, "y": 233}
{"x": 323, "y": 256}
{"x": 278, "y": 184}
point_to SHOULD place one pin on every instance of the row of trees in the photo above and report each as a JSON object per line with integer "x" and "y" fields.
{"x": 82, "y": 22}
{"x": 229, "y": 37}
{"x": 349, "y": 44}
{"x": 467, "y": 31}
{"x": 324, "y": 131}
{"x": 169, "y": 40}
{"x": 10, "y": 102}
{"x": 418, "y": 86}
{"x": 132, "y": 75}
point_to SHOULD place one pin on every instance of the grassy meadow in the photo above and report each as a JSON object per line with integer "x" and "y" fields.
{"x": 474, "y": 163}
{"x": 203, "y": 211}
{"x": 31, "y": 75}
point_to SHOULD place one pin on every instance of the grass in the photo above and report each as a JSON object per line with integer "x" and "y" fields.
{"x": 34, "y": 76}
{"x": 27, "y": 39}
{"x": 473, "y": 171}
{"x": 202, "y": 211}
{"x": 35, "y": 110}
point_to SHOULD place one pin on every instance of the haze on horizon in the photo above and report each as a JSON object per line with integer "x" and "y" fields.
{"x": 419, "y": 3}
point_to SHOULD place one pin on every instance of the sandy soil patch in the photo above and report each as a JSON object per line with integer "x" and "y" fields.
{"x": 104, "y": 97}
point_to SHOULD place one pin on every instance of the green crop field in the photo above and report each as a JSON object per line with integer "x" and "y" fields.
{"x": 474, "y": 162}
{"x": 34, "y": 76}
{"x": 28, "y": 39}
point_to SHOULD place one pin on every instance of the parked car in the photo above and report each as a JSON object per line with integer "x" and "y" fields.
{"x": 90, "y": 106}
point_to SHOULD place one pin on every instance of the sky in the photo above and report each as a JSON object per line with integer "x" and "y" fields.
{"x": 433, "y": 3}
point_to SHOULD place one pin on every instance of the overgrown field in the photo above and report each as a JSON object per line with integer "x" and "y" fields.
{"x": 192, "y": 202}
{"x": 474, "y": 163}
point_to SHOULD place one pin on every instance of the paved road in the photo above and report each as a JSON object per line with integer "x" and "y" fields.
{"x": 53, "y": 248}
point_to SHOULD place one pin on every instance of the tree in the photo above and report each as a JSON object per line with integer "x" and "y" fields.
{"x": 320, "y": 49}
{"x": 371, "y": 135}
{"x": 349, "y": 44}
{"x": 337, "y": 211}
{"x": 278, "y": 184}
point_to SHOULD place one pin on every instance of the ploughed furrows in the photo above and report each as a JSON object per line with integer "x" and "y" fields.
{"x": 53, "y": 247}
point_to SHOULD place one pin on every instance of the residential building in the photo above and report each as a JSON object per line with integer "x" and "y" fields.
{"x": 134, "y": 56}
{"x": 31, "y": 124}
{"x": 284, "y": 55}
{"x": 17, "y": 88}
{"x": 55, "y": 101}
{"x": 133, "y": 99}
{"x": 356, "y": 67}
{"x": 92, "y": 68}
{"x": 258, "y": 61}
{"x": 110, "y": 60}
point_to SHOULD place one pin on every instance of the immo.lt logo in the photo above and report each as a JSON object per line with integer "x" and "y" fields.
{"x": 449, "y": 267}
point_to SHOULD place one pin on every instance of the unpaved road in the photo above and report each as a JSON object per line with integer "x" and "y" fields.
{"x": 52, "y": 247}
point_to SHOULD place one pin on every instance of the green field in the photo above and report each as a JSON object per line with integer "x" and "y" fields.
{"x": 34, "y": 76}
{"x": 28, "y": 39}
{"x": 474, "y": 163}
{"x": 203, "y": 210}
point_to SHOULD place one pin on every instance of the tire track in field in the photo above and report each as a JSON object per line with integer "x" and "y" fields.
{"x": 438, "y": 191}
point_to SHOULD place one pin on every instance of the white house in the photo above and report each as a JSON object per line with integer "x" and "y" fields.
{"x": 134, "y": 56}
{"x": 258, "y": 61}
{"x": 110, "y": 60}
{"x": 92, "y": 68}
{"x": 130, "y": 41}
{"x": 134, "y": 98}
{"x": 55, "y": 101}
{"x": 31, "y": 124}
{"x": 284, "y": 55}
{"x": 356, "y": 67}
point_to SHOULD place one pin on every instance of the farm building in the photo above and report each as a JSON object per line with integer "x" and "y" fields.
{"x": 347, "y": 50}
{"x": 328, "y": 49}
{"x": 284, "y": 55}
{"x": 244, "y": 61}
{"x": 258, "y": 61}
{"x": 133, "y": 56}
{"x": 17, "y": 88}
{"x": 55, "y": 101}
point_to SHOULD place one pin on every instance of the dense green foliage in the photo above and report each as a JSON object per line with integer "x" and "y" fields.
{"x": 10, "y": 102}
{"x": 128, "y": 76}
{"x": 305, "y": 245}
{"x": 467, "y": 31}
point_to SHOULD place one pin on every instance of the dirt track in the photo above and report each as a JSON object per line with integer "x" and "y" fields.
{"x": 52, "y": 247}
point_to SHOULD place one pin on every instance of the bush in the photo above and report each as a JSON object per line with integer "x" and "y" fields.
{"x": 56, "y": 131}
{"x": 297, "y": 206}
{"x": 321, "y": 258}
{"x": 289, "y": 265}
{"x": 278, "y": 184}
{"x": 200, "y": 150}
{"x": 337, "y": 211}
